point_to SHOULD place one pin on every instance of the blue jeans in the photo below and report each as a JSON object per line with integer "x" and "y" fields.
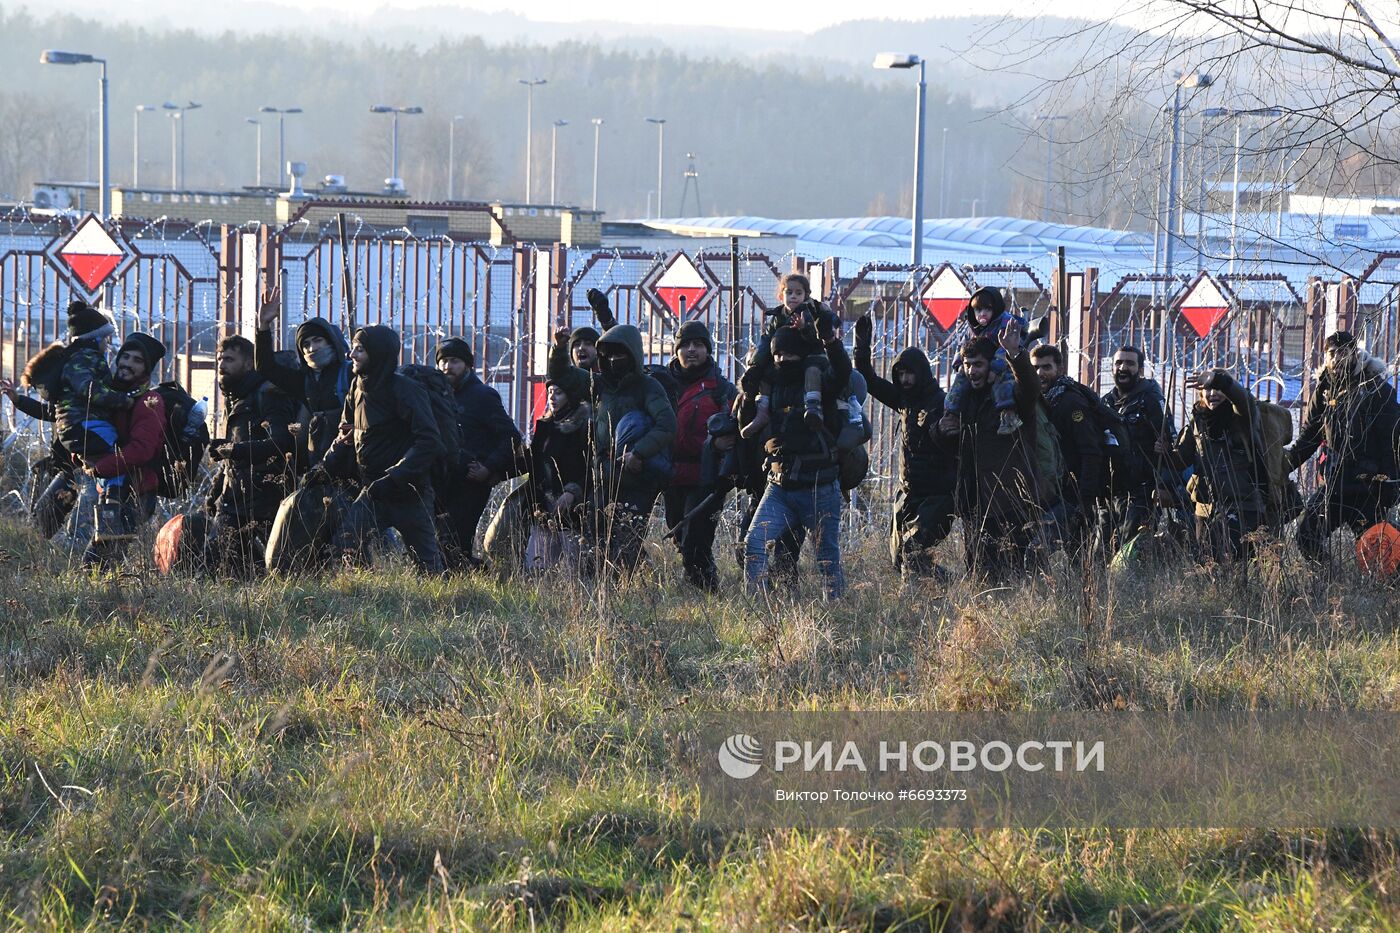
{"x": 817, "y": 510}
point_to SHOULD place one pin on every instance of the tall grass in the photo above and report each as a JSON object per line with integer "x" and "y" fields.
{"x": 380, "y": 750}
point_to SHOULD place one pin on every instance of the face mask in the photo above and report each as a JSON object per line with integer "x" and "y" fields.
{"x": 321, "y": 357}
{"x": 790, "y": 368}
{"x": 615, "y": 367}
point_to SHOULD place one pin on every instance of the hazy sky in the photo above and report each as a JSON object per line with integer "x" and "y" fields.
{"x": 765, "y": 14}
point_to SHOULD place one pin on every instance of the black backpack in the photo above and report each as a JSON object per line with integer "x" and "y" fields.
{"x": 662, "y": 374}
{"x": 1117, "y": 442}
{"x": 183, "y": 442}
{"x": 440, "y": 396}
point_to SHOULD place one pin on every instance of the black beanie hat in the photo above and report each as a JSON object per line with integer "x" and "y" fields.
{"x": 1340, "y": 339}
{"x": 84, "y": 319}
{"x": 989, "y": 298}
{"x": 583, "y": 334}
{"x": 458, "y": 348}
{"x": 695, "y": 330}
{"x": 151, "y": 349}
{"x": 788, "y": 340}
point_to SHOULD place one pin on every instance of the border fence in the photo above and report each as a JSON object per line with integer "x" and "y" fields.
{"x": 189, "y": 285}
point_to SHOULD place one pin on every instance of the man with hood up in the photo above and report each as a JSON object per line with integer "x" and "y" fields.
{"x": 488, "y": 439}
{"x": 634, "y": 428}
{"x": 140, "y": 432}
{"x": 803, "y": 489}
{"x": 923, "y": 512}
{"x": 391, "y": 447}
{"x": 1139, "y": 402}
{"x": 254, "y": 472}
{"x": 702, "y": 393}
{"x": 1353, "y": 412}
{"x": 316, "y": 386}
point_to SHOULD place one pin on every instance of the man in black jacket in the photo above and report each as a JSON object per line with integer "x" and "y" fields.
{"x": 923, "y": 512}
{"x": 391, "y": 447}
{"x": 253, "y": 457}
{"x": 316, "y": 386}
{"x": 1352, "y": 410}
{"x": 1071, "y": 519}
{"x": 1139, "y": 402}
{"x": 803, "y": 488}
{"x": 488, "y": 439}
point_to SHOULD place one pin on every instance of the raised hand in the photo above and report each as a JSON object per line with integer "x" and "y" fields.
{"x": 270, "y": 308}
{"x": 1010, "y": 337}
{"x": 865, "y": 327}
{"x": 561, "y": 336}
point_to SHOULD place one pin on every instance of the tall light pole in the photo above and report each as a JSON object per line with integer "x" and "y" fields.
{"x": 452, "y": 156}
{"x": 1197, "y": 79}
{"x": 554, "y": 156}
{"x": 597, "y": 130}
{"x": 394, "y": 138}
{"x": 1049, "y": 121}
{"x": 943, "y": 176}
{"x": 530, "y": 85}
{"x": 660, "y": 157}
{"x": 176, "y": 113}
{"x": 1238, "y": 115}
{"x": 104, "y": 178}
{"x": 258, "y": 177}
{"x": 281, "y": 139}
{"x": 893, "y": 60}
{"x": 136, "y": 142}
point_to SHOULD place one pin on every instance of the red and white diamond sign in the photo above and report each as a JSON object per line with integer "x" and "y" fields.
{"x": 679, "y": 288}
{"x": 1203, "y": 305}
{"x": 90, "y": 255}
{"x": 945, "y": 296}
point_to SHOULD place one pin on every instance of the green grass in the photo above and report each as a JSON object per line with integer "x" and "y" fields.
{"x": 377, "y": 750}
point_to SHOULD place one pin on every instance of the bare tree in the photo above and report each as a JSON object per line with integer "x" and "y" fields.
{"x": 43, "y": 141}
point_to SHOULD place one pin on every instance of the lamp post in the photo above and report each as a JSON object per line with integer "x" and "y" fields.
{"x": 893, "y": 60}
{"x": 136, "y": 142}
{"x": 1049, "y": 121}
{"x": 394, "y": 133}
{"x": 452, "y": 156}
{"x": 660, "y": 157}
{"x": 1197, "y": 79}
{"x": 597, "y": 129}
{"x": 1238, "y": 115}
{"x": 281, "y": 139}
{"x": 258, "y": 177}
{"x": 530, "y": 85}
{"x": 176, "y": 113}
{"x": 104, "y": 179}
{"x": 553, "y": 157}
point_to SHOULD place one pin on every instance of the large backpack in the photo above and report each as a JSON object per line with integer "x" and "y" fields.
{"x": 444, "y": 405}
{"x": 1282, "y": 503}
{"x": 668, "y": 382}
{"x": 183, "y": 442}
{"x": 1049, "y": 459}
{"x": 1117, "y": 442}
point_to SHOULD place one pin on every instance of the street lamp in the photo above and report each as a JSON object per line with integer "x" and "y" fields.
{"x": 177, "y": 141}
{"x": 1194, "y": 80}
{"x": 597, "y": 129}
{"x": 136, "y": 142}
{"x": 452, "y": 156}
{"x": 258, "y": 178}
{"x": 104, "y": 180}
{"x": 660, "y": 156}
{"x": 1049, "y": 121}
{"x": 394, "y": 142}
{"x": 894, "y": 60}
{"x": 1216, "y": 113}
{"x": 281, "y": 138}
{"x": 530, "y": 85}
{"x": 553, "y": 156}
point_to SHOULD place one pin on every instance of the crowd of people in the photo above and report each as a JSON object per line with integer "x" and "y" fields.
{"x": 334, "y": 447}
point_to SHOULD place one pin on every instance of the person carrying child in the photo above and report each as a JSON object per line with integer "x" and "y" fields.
{"x": 807, "y": 318}
{"x": 986, "y": 315}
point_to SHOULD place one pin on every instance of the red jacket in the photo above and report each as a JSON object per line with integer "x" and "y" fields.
{"x": 698, "y": 401}
{"x": 140, "y": 434}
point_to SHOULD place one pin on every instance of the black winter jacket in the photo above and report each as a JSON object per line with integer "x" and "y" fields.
{"x": 804, "y": 458}
{"x": 319, "y": 396}
{"x": 1081, "y": 441}
{"x": 394, "y": 431}
{"x": 1144, "y": 413}
{"x": 488, "y": 434}
{"x": 927, "y": 460}
{"x": 1357, "y": 419}
{"x": 255, "y": 475}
